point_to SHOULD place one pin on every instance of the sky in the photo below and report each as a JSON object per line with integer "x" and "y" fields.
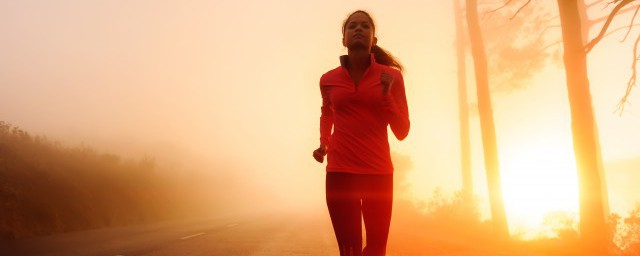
{"x": 236, "y": 82}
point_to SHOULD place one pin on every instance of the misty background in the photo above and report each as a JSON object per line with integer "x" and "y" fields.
{"x": 230, "y": 89}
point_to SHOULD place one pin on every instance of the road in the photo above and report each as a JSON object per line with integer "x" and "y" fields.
{"x": 234, "y": 235}
{"x": 269, "y": 234}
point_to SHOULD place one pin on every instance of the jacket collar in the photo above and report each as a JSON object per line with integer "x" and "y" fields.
{"x": 345, "y": 58}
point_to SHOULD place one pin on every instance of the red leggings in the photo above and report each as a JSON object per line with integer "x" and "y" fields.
{"x": 350, "y": 196}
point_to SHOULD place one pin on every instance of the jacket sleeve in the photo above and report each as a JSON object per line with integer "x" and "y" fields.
{"x": 395, "y": 108}
{"x": 326, "y": 117}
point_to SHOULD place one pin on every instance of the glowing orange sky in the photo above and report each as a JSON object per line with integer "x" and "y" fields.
{"x": 237, "y": 80}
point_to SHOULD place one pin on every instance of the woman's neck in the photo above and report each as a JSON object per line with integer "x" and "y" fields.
{"x": 359, "y": 60}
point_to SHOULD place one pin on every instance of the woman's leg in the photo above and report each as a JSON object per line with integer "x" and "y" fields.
{"x": 343, "y": 201}
{"x": 377, "y": 200}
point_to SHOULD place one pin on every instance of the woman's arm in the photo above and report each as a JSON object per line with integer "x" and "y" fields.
{"x": 326, "y": 118}
{"x": 396, "y": 110}
{"x": 326, "y": 124}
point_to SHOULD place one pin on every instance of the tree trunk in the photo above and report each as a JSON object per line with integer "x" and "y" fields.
{"x": 593, "y": 229}
{"x": 586, "y": 25}
{"x": 490, "y": 147}
{"x": 465, "y": 148}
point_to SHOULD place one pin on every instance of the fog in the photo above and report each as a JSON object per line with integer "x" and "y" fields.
{"x": 231, "y": 89}
{"x": 221, "y": 87}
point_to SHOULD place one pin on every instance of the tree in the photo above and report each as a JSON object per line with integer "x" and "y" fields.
{"x": 510, "y": 63}
{"x": 593, "y": 196}
{"x": 593, "y": 228}
{"x": 487, "y": 125}
{"x": 620, "y": 7}
{"x": 465, "y": 148}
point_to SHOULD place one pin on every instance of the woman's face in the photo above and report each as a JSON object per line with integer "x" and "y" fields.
{"x": 358, "y": 32}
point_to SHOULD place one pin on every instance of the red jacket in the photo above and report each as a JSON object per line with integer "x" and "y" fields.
{"x": 359, "y": 117}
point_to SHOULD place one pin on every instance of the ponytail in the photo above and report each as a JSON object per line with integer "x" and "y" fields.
{"x": 385, "y": 58}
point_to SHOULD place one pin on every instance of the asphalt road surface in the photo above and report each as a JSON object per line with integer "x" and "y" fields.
{"x": 270, "y": 234}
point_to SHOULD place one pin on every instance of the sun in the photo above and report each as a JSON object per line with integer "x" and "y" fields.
{"x": 538, "y": 181}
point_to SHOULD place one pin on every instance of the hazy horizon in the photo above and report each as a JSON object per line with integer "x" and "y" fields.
{"x": 235, "y": 85}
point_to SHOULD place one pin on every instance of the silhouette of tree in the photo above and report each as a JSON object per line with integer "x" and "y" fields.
{"x": 627, "y": 235}
{"x": 516, "y": 45}
{"x": 593, "y": 228}
{"x": 465, "y": 147}
{"x": 619, "y": 7}
{"x": 593, "y": 195}
{"x": 487, "y": 125}
{"x": 513, "y": 58}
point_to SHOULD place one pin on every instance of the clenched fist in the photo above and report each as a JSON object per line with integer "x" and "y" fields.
{"x": 386, "y": 80}
{"x": 319, "y": 153}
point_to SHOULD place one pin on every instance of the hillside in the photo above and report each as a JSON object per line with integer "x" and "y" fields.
{"x": 48, "y": 188}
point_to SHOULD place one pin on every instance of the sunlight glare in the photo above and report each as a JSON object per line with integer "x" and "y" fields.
{"x": 538, "y": 181}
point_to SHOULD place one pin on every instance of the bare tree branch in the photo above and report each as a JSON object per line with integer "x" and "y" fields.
{"x": 552, "y": 18}
{"x": 631, "y": 24}
{"x": 618, "y": 29}
{"x": 520, "y": 9}
{"x": 495, "y": 10}
{"x": 632, "y": 80}
{"x": 609, "y": 3}
{"x": 594, "y": 3}
{"x": 505, "y": 5}
{"x": 487, "y": 2}
{"x": 593, "y": 42}
{"x": 550, "y": 45}
{"x": 549, "y": 27}
{"x": 602, "y": 19}
{"x": 545, "y": 30}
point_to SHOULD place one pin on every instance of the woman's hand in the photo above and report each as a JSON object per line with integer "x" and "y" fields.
{"x": 319, "y": 153}
{"x": 386, "y": 80}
